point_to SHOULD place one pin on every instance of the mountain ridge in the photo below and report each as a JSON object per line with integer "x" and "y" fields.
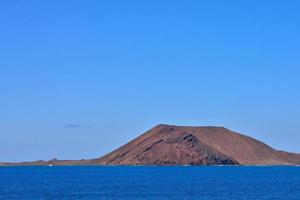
{"x": 187, "y": 145}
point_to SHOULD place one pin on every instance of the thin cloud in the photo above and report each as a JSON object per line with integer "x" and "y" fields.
{"x": 72, "y": 126}
{"x": 76, "y": 126}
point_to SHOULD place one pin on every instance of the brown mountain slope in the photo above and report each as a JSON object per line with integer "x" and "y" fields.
{"x": 183, "y": 145}
{"x": 55, "y": 162}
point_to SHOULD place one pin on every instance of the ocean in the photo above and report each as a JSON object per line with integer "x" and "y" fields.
{"x": 150, "y": 183}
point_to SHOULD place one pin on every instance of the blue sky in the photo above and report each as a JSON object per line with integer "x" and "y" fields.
{"x": 80, "y": 78}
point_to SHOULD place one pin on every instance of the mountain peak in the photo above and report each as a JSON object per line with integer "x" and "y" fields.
{"x": 182, "y": 126}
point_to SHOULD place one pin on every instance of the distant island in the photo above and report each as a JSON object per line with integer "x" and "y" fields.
{"x": 169, "y": 145}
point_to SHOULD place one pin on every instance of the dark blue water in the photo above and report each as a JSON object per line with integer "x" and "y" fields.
{"x": 240, "y": 183}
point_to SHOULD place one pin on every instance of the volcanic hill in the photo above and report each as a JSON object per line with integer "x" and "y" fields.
{"x": 207, "y": 145}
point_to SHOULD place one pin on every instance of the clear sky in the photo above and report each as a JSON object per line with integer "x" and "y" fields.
{"x": 80, "y": 78}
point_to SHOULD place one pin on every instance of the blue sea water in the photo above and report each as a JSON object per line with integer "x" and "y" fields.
{"x": 150, "y": 183}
